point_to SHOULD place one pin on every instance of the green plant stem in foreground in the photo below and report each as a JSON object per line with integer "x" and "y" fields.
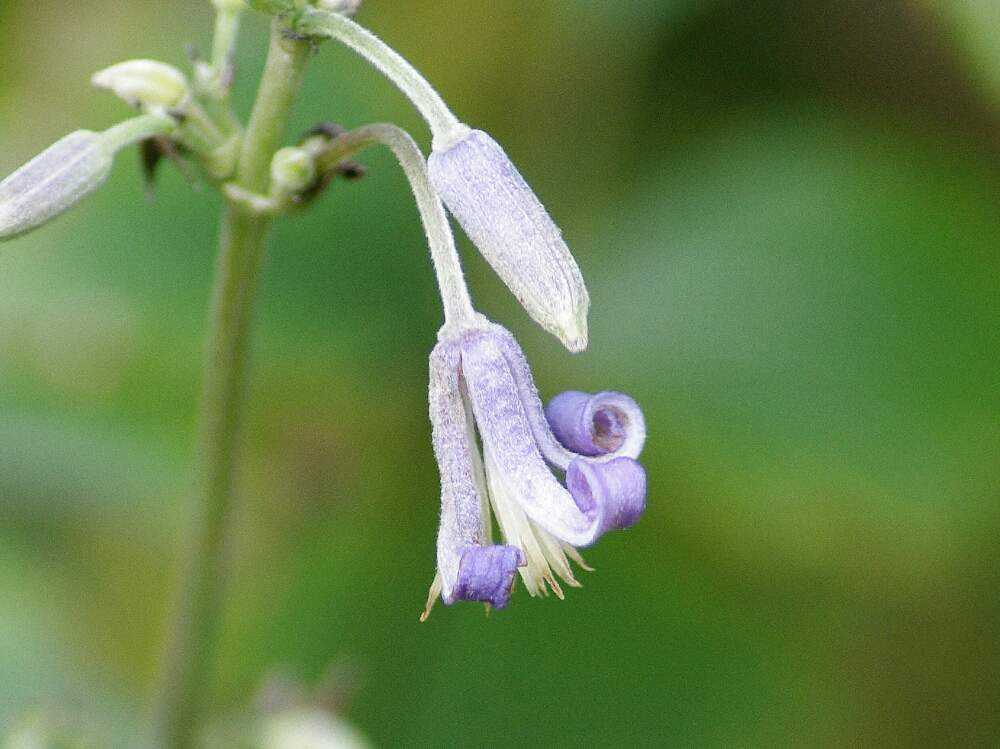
{"x": 191, "y": 650}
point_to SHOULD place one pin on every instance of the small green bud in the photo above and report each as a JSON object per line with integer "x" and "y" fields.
{"x": 221, "y": 163}
{"x": 145, "y": 83}
{"x": 292, "y": 170}
{"x": 54, "y": 181}
{"x": 229, "y": 6}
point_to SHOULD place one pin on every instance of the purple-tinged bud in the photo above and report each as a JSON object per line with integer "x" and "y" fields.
{"x": 514, "y": 232}
{"x": 68, "y": 171}
{"x": 486, "y": 573}
{"x": 600, "y": 424}
{"x": 52, "y": 182}
{"x": 615, "y": 491}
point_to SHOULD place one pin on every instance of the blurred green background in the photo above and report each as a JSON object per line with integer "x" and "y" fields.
{"x": 788, "y": 213}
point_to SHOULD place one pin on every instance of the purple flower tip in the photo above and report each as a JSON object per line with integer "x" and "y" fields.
{"x": 486, "y": 573}
{"x": 597, "y": 424}
{"x": 615, "y": 490}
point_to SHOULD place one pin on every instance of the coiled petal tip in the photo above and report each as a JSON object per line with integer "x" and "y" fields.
{"x": 614, "y": 491}
{"x": 607, "y": 423}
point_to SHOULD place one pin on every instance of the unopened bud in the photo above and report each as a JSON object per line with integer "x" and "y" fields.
{"x": 292, "y": 171}
{"x": 514, "y": 232}
{"x": 67, "y": 171}
{"x": 144, "y": 83}
{"x": 230, "y": 6}
{"x": 55, "y": 180}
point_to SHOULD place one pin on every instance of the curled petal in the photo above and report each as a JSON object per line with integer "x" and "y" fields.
{"x": 511, "y": 447}
{"x": 556, "y": 452}
{"x": 486, "y": 573}
{"x": 613, "y": 492}
{"x": 514, "y": 232}
{"x": 600, "y": 424}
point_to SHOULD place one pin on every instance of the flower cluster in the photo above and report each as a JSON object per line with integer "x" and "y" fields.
{"x": 554, "y": 478}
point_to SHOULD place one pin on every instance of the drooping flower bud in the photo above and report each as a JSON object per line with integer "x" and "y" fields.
{"x": 514, "y": 232}
{"x": 67, "y": 171}
{"x": 144, "y": 84}
{"x": 55, "y": 180}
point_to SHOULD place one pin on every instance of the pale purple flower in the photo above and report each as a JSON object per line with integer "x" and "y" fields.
{"x": 511, "y": 228}
{"x": 480, "y": 382}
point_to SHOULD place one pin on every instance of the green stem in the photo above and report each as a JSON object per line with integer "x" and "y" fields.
{"x": 192, "y": 650}
{"x": 227, "y": 25}
{"x": 139, "y": 128}
{"x": 445, "y": 127}
{"x": 458, "y": 308}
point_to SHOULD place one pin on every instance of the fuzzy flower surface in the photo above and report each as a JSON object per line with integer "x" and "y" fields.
{"x": 482, "y": 392}
{"x": 511, "y": 228}
{"x": 53, "y": 182}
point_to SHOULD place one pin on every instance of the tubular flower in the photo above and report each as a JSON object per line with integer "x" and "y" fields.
{"x": 480, "y": 382}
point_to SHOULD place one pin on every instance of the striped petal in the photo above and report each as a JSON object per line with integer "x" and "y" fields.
{"x": 509, "y": 443}
{"x": 468, "y": 568}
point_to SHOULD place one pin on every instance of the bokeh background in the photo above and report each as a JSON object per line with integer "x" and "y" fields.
{"x": 789, "y": 217}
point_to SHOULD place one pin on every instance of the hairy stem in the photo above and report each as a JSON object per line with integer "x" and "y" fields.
{"x": 445, "y": 127}
{"x": 191, "y": 652}
{"x": 447, "y": 267}
{"x": 139, "y": 128}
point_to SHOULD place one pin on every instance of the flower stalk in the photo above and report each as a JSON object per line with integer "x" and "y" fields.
{"x": 445, "y": 127}
{"x": 191, "y": 652}
{"x": 458, "y": 309}
{"x": 129, "y": 132}
{"x": 553, "y": 478}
